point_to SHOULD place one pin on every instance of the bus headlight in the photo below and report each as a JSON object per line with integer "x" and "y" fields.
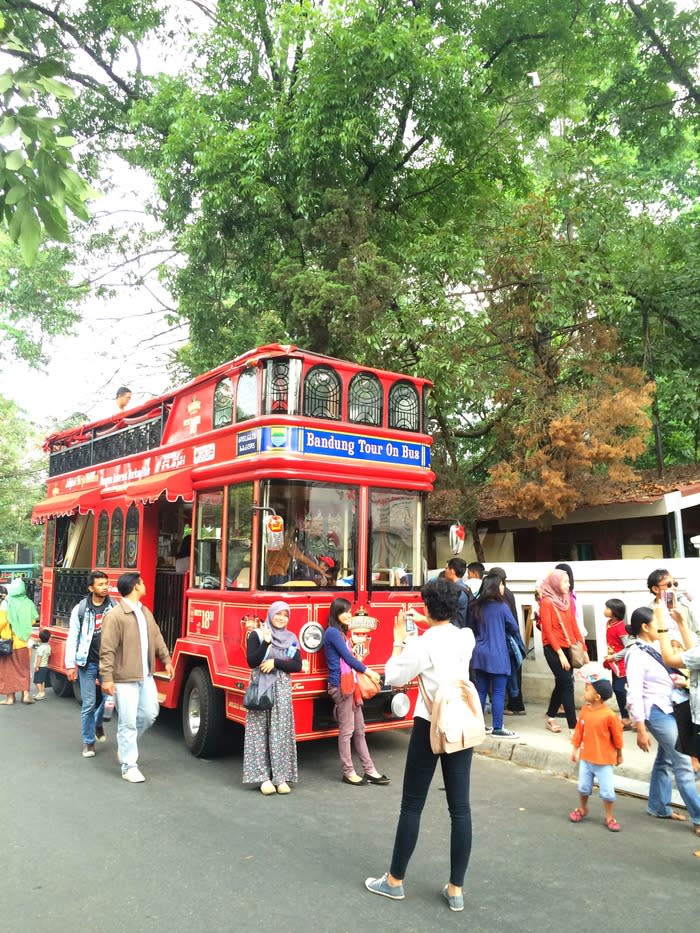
{"x": 400, "y": 705}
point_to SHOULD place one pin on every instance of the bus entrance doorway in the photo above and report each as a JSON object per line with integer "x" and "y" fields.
{"x": 172, "y": 521}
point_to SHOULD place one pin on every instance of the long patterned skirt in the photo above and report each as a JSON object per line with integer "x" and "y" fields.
{"x": 270, "y": 747}
{"x": 14, "y": 671}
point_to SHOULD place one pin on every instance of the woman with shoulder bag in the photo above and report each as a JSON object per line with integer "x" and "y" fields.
{"x": 650, "y": 695}
{"x": 269, "y": 748}
{"x": 17, "y": 615}
{"x": 440, "y": 656}
{"x": 560, "y": 632}
{"x": 491, "y": 662}
{"x": 348, "y": 706}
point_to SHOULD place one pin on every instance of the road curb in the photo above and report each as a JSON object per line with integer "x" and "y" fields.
{"x": 527, "y": 755}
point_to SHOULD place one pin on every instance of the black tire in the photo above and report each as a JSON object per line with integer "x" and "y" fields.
{"x": 202, "y": 714}
{"x": 75, "y": 684}
{"x": 60, "y": 684}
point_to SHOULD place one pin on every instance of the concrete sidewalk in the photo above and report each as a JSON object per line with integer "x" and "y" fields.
{"x": 543, "y": 750}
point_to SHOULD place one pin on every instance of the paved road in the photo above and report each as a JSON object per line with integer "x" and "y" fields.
{"x": 192, "y": 850}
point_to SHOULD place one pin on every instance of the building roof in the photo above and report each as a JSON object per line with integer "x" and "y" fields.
{"x": 647, "y": 488}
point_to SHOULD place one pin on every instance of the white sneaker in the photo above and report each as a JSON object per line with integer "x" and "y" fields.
{"x": 133, "y": 776}
{"x": 89, "y": 751}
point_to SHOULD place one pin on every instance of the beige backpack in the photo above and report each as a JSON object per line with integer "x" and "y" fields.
{"x": 456, "y": 717}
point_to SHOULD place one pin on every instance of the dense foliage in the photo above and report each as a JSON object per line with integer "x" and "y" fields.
{"x": 501, "y": 196}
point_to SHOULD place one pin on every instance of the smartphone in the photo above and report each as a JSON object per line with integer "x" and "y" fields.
{"x": 410, "y": 624}
{"x": 670, "y": 599}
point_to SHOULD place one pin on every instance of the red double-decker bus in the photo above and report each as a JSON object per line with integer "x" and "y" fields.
{"x": 282, "y": 474}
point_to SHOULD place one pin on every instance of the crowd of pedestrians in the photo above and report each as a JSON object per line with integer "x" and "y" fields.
{"x": 651, "y": 668}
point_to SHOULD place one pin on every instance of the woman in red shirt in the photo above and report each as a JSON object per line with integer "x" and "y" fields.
{"x": 559, "y": 631}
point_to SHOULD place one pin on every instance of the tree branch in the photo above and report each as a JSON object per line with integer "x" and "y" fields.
{"x": 67, "y": 27}
{"x": 680, "y": 74}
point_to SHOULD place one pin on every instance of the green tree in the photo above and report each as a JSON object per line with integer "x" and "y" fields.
{"x": 21, "y": 481}
{"x": 36, "y": 302}
{"x": 38, "y": 186}
{"x": 443, "y": 187}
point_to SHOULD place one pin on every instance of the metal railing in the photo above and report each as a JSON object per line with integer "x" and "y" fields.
{"x": 167, "y": 604}
{"x": 126, "y": 442}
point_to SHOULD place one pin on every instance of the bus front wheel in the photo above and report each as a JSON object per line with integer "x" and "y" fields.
{"x": 202, "y": 714}
{"x": 62, "y": 687}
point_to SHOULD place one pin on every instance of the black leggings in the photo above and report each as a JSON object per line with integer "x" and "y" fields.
{"x": 563, "y": 693}
{"x": 420, "y": 767}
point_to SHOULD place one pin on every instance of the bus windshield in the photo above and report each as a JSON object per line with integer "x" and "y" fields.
{"x": 320, "y": 535}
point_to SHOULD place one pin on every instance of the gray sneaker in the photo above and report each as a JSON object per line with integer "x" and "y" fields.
{"x": 382, "y": 886}
{"x": 454, "y": 901}
{"x": 505, "y": 734}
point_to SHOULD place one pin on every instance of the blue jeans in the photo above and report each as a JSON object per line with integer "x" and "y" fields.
{"x": 420, "y": 767}
{"x": 90, "y": 715}
{"x": 605, "y": 776}
{"x": 483, "y": 681}
{"x": 670, "y": 763}
{"x": 137, "y": 707}
{"x": 619, "y": 685}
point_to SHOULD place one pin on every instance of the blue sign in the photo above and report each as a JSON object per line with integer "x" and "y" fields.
{"x": 247, "y": 443}
{"x": 334, "y": 444}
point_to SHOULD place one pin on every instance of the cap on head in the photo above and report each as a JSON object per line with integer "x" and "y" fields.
{"x": 603, "y": 688}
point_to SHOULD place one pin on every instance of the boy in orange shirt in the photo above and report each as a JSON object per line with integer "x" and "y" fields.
{"x": 597, "y": 746}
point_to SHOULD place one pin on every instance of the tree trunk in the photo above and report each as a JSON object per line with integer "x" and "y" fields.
{"x": 649, "y": 369}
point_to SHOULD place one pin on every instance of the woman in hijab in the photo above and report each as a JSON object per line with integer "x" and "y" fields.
{"x": 270, "y": 749}
{"x": 559, "y": 631}
{"x": 17, "y": 615}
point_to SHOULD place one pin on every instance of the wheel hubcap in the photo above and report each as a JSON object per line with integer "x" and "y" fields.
{"x": 193, "y": 712}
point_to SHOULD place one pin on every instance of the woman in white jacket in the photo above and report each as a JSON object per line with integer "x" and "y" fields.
{"x": 440, "y": 656}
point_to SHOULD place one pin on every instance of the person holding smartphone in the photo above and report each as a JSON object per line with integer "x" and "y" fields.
{"x": 660, "y": 585}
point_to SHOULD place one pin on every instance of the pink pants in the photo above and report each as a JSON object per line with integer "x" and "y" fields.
{"x": 351, "y": 726}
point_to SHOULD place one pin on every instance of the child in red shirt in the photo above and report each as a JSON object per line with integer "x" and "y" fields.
{"x": 597, "y": 745}
{"x": 616, "y": 636}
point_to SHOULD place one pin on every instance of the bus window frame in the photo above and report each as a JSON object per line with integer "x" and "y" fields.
{"x": 268, "y": 496}
{"x": 419, "y": 543}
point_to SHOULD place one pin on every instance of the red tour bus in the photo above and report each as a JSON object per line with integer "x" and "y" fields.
{"x": 282, "y": 474}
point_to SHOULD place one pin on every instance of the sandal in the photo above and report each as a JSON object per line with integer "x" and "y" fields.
{"x": 612, "y": 825}
{"x": 577, "y": 815}
{"x": 552, "y": 725}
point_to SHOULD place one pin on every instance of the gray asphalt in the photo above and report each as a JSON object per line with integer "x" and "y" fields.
{"x": 191, "y": 849}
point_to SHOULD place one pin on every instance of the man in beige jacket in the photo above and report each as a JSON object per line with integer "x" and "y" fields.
{"x": 130, "y": 641}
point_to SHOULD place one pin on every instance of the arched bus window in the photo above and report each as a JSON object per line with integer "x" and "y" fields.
{"x": 322, "y": 393}
{"x": 365, "y": 399}
{"x": 207, "y": 540}
{"x": 239, "y": 536}
{"x": 426, "y": 411}
{"x": 281, "y": 386}
{"x": 50, "y": 542}
{"x": 131, "y": 538}
{"x": 102, "y": 539}
{"x": 319, "y": 545}
{"x": 223, "y": 403}
{"x": 396, "y": 539}
{"x": 116, "y": 539}
{"x": 247, "y": 395}
{"x": 404, "y": 407}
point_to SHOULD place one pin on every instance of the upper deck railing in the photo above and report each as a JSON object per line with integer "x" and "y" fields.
{"x": 124, "y": 442}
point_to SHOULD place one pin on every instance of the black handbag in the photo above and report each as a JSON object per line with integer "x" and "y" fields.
{"x": 256, "y": 699}
{"x": 5, "y": 646}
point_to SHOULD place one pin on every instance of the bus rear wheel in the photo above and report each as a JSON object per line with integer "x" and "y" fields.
{"x": 62, "y": 687}
{"x": 202, "y": 714}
